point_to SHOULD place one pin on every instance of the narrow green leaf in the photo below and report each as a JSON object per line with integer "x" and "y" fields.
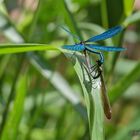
{"x": 55, "y": 78}
{"x": 92, "y": 97}
{"x": 129, "y": 131}
{"x": 132, "y": 19}
{"x": 12, "y": 90}
{"x": 19, "y": 48}
{"x": 104, "y": 13}
{"x": 128, "y": 6}
{"x": 40, "y": 65}
{"x": 124, "y": 84}
{"x": 13, "y": 121}
{"x": 4, "y": 63}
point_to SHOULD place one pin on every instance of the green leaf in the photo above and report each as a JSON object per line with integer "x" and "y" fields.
{"x": 124, "y": 83}
{"x": 132, "y": 19}
{"x": 92, "y": 97}
{"x": 19, "y": 48}
{"x": 128, "y": 6}
{"x": 4, "y": 63}
{"x": 129, "y": 131}
{"x": 55, "y": 78}
{"x": 13, "y": 121}
{"x": 41, "y": 66}
{"x": 104, "y": 13}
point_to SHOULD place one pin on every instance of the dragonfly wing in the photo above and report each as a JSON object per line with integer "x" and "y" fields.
{"x": 76, "y": 47}
{"x": 105, "y": 48}
{"x": 109, "y": 33}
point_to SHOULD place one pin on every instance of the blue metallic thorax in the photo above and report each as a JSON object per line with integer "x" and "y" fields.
{"x": 77, "y": 47}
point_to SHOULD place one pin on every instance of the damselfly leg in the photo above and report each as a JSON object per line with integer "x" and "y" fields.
{"x": 96, "y": 70}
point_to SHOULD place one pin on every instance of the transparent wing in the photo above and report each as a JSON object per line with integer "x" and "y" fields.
{"x": 109, "y": 33}
{"x": 76, "y": 47}
{"x": 104, "y": 48}
{"x": 73, "y": 35}
{"x": 96, "y": 72}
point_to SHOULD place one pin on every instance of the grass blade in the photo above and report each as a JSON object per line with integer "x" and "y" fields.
{"x": 40, "y": 65}
{"x": 11, "y": 94}
{"x": 92, "y": 98}
{"x": 129, "y": 131}
{"x": 55, "y": 78}
{"x": 13, "y": 121}
{"x": 124, "y": 84}
{"x": 132, "y": 19}
{"x": 128, "y": 6}
{"x": 19, "y": 48}
{"x": 104, "y": 14}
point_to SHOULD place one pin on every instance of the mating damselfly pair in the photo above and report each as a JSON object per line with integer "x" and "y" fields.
{"x": 96, "y": 70}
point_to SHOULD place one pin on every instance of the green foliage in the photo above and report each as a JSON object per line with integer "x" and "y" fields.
{"x": 19, "y": 48}
{"x": 11, "y": 127}
{"x": 128, "y": 6}
{"x": 40, "y": 94}
{"x": 92, "y": 98}
{"x": 126, "y": 81}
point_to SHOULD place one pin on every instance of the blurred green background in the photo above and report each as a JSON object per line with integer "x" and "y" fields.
{"x": 40, "y": 94}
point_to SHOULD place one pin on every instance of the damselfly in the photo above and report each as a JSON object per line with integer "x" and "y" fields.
{"x": 97, "y": 69}
{"x": 94, "y": 48}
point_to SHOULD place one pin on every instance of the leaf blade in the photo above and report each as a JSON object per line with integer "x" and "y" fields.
{"x": 11, "y": 127}
{"x": 20, "y": 48}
